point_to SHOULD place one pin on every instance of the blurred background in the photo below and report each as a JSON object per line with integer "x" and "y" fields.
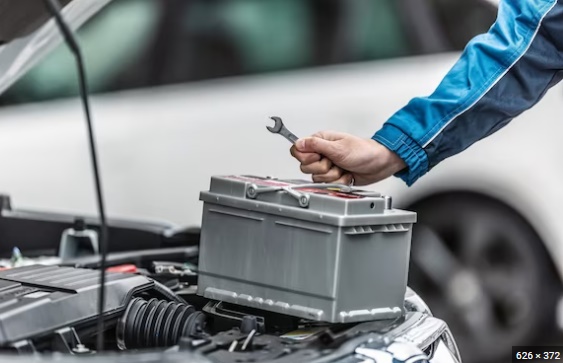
{"x": 165, "y": 42}
{"x": 182, "y": 90}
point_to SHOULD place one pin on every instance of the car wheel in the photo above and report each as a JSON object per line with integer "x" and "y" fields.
{"x": 483, "y": 269}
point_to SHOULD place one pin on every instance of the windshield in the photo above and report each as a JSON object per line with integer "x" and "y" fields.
{"x": 135, "y": 43}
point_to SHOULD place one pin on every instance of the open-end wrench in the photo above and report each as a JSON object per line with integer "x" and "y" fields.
{"x": 279, "y": 128}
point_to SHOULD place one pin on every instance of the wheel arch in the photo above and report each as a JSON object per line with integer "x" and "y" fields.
{"x": 524, "y": 207}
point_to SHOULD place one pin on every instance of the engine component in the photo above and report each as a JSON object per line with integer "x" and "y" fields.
{"x": 319, "y": 252}
{"x": 45, "y": 308}
{"x": 248, "y": 324}
{"x": 18, "y": 260}
{"x": 37, "y": 300}
{"x": 157, "y": 323}
{"x": 78, "y": 241}
{"x": 236, "y": 346}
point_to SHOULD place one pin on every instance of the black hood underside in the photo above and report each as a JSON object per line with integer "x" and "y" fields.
{"x": 19, "y": 18}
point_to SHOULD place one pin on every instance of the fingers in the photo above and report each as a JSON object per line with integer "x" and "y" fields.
{"x": 317, "y": 145}
{"x": 319, "y": 167}
{"x": 333, "y": 174}
{"x": 345, "y": 179}
{"x": 323, "y": 171}
{"x": 318, "y": 154}
{"x": 304, "y": 158}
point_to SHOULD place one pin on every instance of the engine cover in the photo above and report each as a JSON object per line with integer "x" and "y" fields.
{"x": 37, "y": 300}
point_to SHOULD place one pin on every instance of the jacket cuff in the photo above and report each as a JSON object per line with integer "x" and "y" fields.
{"x": 409, "y": 150}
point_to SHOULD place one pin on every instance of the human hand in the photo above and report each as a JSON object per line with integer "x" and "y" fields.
{"x": 335, "y": 157}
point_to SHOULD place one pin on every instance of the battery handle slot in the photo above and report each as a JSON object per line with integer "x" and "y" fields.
{"x": 252, "y": 192}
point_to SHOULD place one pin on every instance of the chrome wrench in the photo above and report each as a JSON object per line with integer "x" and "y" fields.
{"x": 279, "y": 128}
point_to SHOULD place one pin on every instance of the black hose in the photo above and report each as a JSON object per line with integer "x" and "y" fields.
{"x": 157, "y": 323}
{"x": 166, "y": 293}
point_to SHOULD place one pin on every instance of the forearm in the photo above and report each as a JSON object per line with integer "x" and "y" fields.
{"x": 499, "y": 75}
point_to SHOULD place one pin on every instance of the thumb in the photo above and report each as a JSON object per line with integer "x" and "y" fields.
{"x": 317, "y": 145}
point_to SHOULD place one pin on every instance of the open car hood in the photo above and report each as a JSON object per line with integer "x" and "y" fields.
{"x": 28, "y": 33}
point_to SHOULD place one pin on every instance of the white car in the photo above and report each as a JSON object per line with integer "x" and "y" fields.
{"x": 487, "y": 254}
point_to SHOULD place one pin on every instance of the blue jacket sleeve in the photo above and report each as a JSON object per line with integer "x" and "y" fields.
{"x": 499, "y": 75}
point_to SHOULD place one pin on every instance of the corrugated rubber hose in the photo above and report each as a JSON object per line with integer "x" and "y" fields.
{"x": 157, "y": 323}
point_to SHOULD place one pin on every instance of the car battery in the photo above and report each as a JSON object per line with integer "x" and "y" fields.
{"x": 315, "y": 251}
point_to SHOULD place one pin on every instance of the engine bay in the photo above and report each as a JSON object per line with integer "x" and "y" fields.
{"x": 52, "y": 309}
{"x": 48, "y": 305}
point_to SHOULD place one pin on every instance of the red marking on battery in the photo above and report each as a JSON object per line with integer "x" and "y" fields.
{"x": 276, "y": 183}
{"x": 126, "y": 268}
{"x": 332, "y": 193}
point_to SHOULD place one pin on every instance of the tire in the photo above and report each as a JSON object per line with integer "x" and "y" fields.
{"x": 482, "y": 268}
